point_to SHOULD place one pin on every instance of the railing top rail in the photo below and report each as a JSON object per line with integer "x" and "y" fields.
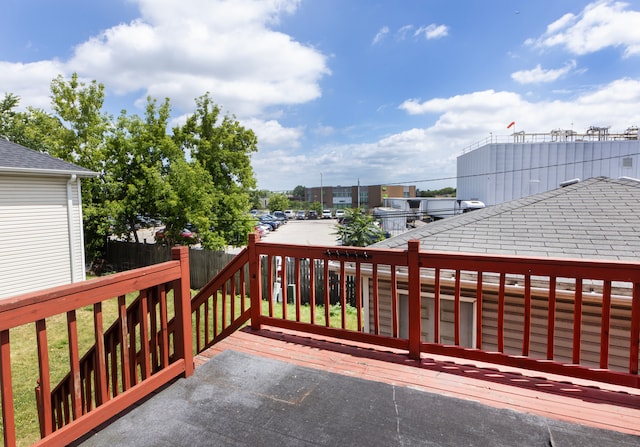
{"x": 602, "y": 269}
{"x": 333, "y": 252}
{"x": 34, "y": 306}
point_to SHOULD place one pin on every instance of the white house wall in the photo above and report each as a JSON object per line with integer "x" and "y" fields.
{"x": 500, "y": 172}
{"x": 35, "y": 248}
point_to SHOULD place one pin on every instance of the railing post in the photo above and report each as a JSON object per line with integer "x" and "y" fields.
{"x": 255, "y": 282}
{"x": 413, "y": 261}
{"x": 182, "y": 297}
{"x": 8, "y": 415}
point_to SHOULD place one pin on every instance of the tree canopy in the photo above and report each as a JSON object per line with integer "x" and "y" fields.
{"x": 199, "y": 174}
{"x": 359, "y": 229}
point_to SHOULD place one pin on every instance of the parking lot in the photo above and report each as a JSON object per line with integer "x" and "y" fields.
{"x": 300, "y": 232}
{"x": 305, "y": 232}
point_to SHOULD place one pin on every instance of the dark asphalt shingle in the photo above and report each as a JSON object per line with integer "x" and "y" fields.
{"x": 17, "y": 158}
{"x": 598, "y": 218}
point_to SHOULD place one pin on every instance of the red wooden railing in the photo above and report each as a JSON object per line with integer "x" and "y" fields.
{"x": 579, "y": 318}
{"x": 133, "y": 358}
{"x": 573, "y": 317}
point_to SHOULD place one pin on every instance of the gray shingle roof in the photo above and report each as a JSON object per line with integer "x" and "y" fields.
{"x": 19, "y": 159}
{"x": 598, "y": 218}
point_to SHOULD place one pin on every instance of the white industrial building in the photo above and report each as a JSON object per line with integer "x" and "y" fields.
{"x": 508, "y": 168}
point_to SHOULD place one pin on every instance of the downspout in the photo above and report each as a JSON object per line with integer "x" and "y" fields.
{"x": 71, "y": 228}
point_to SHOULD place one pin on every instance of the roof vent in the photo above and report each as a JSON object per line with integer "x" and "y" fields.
{"x": 573, "y": 181}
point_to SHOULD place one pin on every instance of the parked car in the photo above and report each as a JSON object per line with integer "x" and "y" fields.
{"x": 280, "y": 216}
{"x": 326, "y": 214}
{"x": 186, "y": 234}
{"x": 290, "y": 214}
{"x": 339, "y": 214}
{"x": 301, "y": 215}
{"x": 312, "y": 215}
{"x": 271, "y": 221}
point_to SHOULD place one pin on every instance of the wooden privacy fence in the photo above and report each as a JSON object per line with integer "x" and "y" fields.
{"x": 203, "y": 264}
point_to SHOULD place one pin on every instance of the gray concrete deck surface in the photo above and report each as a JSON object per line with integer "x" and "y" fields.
{"x": 237, "y": 399}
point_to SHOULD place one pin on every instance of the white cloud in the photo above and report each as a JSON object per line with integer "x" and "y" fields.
{"x": 600, "y": 25}
{"x": 428, "y": 32}
{"x": 272, "y": 133}
{"x": 403, "y": 31}
{"x": 182, "y": 50}
{"x": 30, "y": 81}
{"x": 380, "y": 35}
{"x": 459, "y": 122}
{"x": 539, "y": 75}
{"x": 432, "y": 31}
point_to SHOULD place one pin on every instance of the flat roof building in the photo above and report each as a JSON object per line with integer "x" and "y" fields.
{"x": 367, "y": 197}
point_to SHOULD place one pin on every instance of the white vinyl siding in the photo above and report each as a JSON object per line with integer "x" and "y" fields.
{"x": 35, "y": 252}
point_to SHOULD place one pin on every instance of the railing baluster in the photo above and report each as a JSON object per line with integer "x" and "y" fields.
{"x": 394, "y": 302}
{"x": 456, "y": 310}
{"x": 283, "y": 286}
{"x": 216, "y": 298}
{"x": 243, "y": 291}
{"x": 312, "y": 290}
{"x": 376, "y": 302}
{"x": 297, "y": 297}
{"x": 125, "y": 355}
{"x": 500, "y": 327}
{"x": 415, "y": 299}
{"x": 153, "y": 329}
{"x": 436, "y": 307}
{"x": 144, "y": 335}
{"x": 74, "y": 363}
{"x": 224, "y": 305}
{"x": 526, "y": 336}
{"x": 358, "y": 290}
{"x": 327, "y": 294}
{"x": 270, "y": 281}
{"x": 343, "y": 296}
{"x": 100, "y": 358}
{"x": 232, "y": 293}
{"x": 634, "y": 338}
{"x": 164, "y": 331}
{"x": 551, "y": 318}
{"x": 479, "y": 292}
{"x": 8, "y": 416}
{"x": 605, "y": 325}
{"x": 577, "y": 322}
{"x": 44, "y": 379}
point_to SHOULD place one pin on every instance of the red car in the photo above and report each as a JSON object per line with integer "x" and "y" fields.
{"x": 184, "y": 234}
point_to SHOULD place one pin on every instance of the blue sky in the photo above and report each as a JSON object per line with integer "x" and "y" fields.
{"x": 376, "y": 91}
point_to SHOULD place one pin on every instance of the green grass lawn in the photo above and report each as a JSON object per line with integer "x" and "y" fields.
{"x": 24, "y": 359}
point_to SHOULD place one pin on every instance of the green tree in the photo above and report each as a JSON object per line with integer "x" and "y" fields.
{"x": 223, "y": 148}
{"x": 138, "y": 156}
{"x": 317, "y": 207}
{"x": 278, "y": 202}
{"x": 81, "y": 139}
{"x": 299, "y": 192}
{"x": 444, "y": 192}
{"x": 360, "y": 229}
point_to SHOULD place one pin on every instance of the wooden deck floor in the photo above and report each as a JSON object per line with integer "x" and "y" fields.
{"x": 572, "y": 400}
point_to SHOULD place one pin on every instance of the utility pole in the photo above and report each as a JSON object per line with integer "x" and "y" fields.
{"x": 321, "y": 198}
